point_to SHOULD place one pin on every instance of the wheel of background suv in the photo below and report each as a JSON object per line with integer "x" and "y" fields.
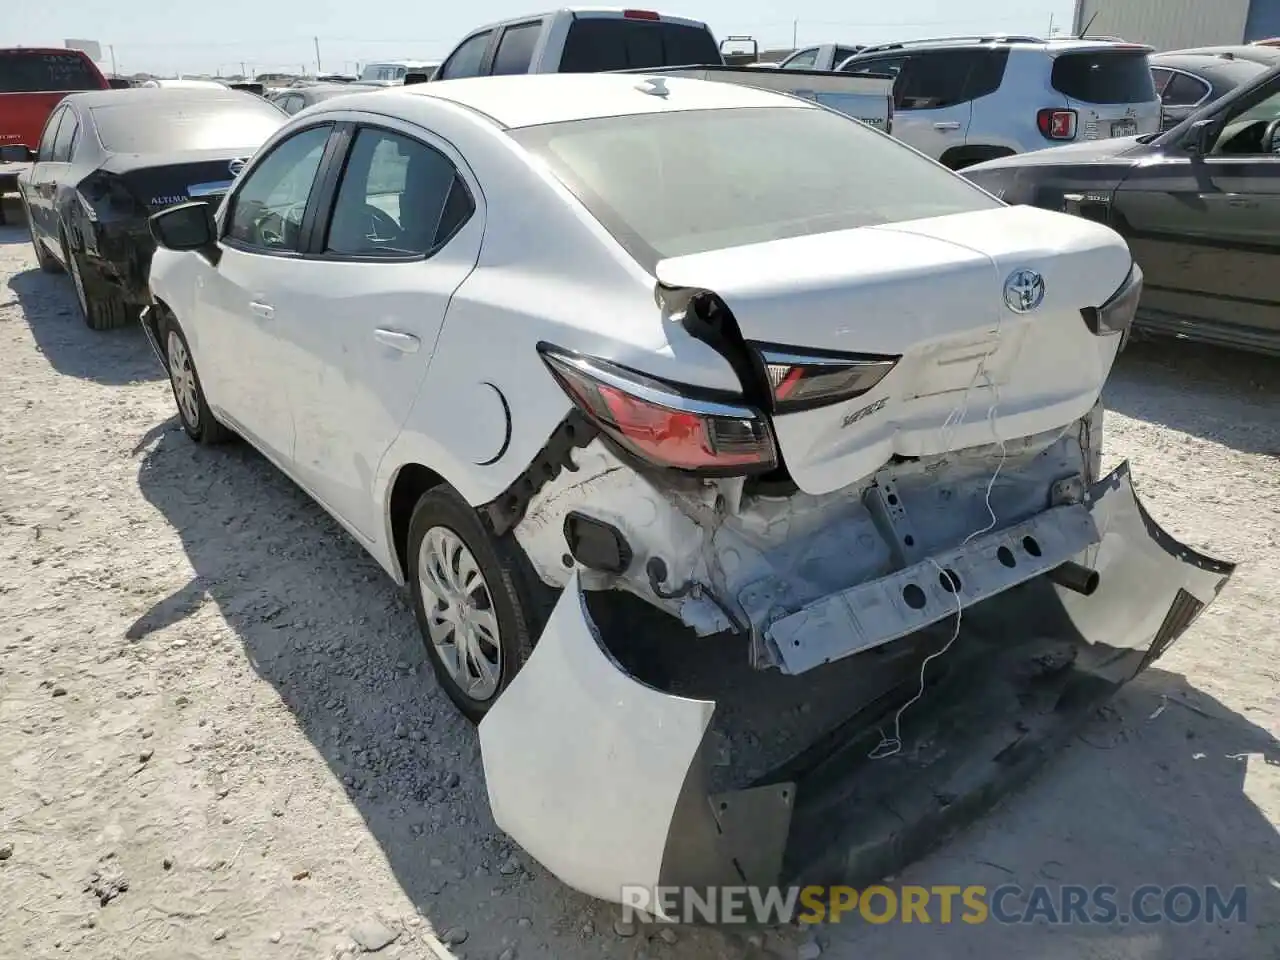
{"x": 48, "y": 262}
{"x": 100, "y": 305}
{"x": 193, "y": 410}
{"x": 479, "y": 604}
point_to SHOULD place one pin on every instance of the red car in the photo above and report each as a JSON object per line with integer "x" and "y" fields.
{"x": 32, "y": 81}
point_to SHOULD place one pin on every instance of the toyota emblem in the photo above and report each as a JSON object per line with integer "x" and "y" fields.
{"x": 1023, "y": 291}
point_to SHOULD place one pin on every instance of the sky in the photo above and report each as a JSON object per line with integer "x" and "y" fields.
{"x": 161, "y": 36}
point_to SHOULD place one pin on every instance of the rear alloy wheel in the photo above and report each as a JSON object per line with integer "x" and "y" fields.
{"x": 101, "y": 306}
{"x": 48, "y": 263}
{"x": 193, "y": 410}
{"x": 479, "y": 605}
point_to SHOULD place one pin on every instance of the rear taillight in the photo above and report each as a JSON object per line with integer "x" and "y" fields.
{"x": 662, "y": 424}
{"x": 1055, "y": 124}
{"x": 640, "y": 15}
{"x": 1117, "y": 313}
{"x": 800, "y": 380}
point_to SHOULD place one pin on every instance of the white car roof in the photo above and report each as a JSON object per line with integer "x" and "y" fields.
{"x": 528, "y": 100}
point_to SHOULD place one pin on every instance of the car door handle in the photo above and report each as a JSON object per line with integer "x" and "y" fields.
{"x": 947, "y": 125}
{"x": 263, "y": 310}
{"x": 404, "y": 342}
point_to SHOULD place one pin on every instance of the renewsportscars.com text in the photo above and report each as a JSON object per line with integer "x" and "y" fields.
{"x": 974, "y": 904}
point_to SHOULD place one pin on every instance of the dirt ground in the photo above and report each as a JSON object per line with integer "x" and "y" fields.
{"x": 219, "y": 736}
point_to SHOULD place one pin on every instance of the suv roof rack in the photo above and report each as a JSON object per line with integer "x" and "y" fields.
{"x": 943, "y": 41}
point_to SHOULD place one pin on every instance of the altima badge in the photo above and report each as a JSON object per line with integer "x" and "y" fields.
{"x": 1023, "y": 291}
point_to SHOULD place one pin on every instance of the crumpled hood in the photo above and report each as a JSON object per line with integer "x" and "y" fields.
{"x": 1089, "y": 151}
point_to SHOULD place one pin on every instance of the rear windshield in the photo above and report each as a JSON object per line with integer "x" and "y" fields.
{"x": 37, "y": 72}
{"x": 596, "y": 44}
{"x": 1104, "y": 76}
{"x": 153, "y": 125}
{"x": 674, "y": 183}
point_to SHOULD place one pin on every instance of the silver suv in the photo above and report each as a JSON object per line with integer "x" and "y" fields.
{"x": 962, "y": 100}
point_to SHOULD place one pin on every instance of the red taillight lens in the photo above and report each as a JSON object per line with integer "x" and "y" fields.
{"x": 1056, "y": 124}
{"x": 640, "y": 15}
{"x": 800, "y": 380}
{"x": 662, "y": 424}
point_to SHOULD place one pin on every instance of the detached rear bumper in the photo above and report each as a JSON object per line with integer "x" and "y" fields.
{"x": 604, "y": 779}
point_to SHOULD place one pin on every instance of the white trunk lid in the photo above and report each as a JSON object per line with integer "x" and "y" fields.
{"x": 931, "y": 291}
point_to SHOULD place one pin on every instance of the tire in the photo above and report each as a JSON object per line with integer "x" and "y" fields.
{"x": 101, "y": 306}
{"x": 48, "y": 262}
{"x": 507, "y": 598}
{"x": 188, "y": 394}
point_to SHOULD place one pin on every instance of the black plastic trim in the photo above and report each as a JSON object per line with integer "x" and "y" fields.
{"x": 504, "y": 511}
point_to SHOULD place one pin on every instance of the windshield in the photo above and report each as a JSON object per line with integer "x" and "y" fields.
{"x": 40, "y": 72}
{"x": 165, "y": 125}
{"x": 674, "y": 183}
{"x": 1105, "y": 76}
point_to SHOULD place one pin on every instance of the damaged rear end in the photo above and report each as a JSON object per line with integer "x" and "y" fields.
{"x": 914, "y": 453}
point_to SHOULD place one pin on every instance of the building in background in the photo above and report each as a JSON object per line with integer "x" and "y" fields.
{"x": 1174, "y": 24}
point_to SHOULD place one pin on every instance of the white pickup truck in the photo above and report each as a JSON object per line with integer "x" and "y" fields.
{"x": 643, "y": 41}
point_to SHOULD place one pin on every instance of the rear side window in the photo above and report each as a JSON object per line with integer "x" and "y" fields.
{"x": 947, "y": 77}
{"x": 394, "y": 200}
{"x": 40, "y": 72}
{"x": 466, "y": 60}
{"x": 891, "y": 66}
{"x": 50, "y": 134}
{"x": 1104, "y": 76}
{"x": 597, "y": 44}
{"x": 64, "y": 144}
{"x": 1184, "y": 90}
{"x": 515, "y": 49}
{"x": 804, "y": 60}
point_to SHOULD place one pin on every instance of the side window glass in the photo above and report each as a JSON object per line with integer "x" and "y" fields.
{"x": 398, "y": 198}
{"x": 935, "y": 80}
{"x": 804, "y": 60}
{"x": 515, "y": 49}
{"x": 266, "y": 211}
{"x": 891, "y": 67}
{"x": 1183, "y": 91}
{"x": 66, "y": 134}
{"x": 1161, "y": 79}
{"x": 50, "y": 136}
{"x": 465, "y": 61}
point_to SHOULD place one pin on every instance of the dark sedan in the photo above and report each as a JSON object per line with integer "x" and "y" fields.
{"x": 107, "y": 160}
{"x": 1187, "y": 81}
{"x": 1199, "y": 205}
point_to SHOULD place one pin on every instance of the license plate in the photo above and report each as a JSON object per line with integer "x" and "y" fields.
{"x": 1124, "y": 128}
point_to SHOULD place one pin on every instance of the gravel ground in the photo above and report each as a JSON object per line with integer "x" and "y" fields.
{"x": 219, "y": 736}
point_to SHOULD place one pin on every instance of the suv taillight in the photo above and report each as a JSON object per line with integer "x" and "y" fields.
{"x": 1056, "y": 124}
{"x": 662, "y": 424}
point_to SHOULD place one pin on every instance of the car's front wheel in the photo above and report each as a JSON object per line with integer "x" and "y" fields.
{"x": 479, "y": 605}
{"x": 193, "y": 409}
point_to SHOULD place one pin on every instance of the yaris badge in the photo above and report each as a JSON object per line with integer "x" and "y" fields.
{"x": 1023, "y": 291}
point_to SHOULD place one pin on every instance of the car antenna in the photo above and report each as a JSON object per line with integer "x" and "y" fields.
{"x": 1085, "y": 32}
{"x": 655, "y": 87}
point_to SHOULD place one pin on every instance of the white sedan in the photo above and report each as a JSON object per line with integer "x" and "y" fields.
{"x": 749, "y": 360}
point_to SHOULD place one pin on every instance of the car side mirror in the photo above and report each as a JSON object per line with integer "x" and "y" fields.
{"x": 18, "y": 153}
{"x": 187, "y": 226}
{"x": 1200, "y": 138}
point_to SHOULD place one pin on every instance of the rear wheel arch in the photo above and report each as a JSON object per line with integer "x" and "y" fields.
{"x": 407, "y": 487}
{"x": 957, "y": 158}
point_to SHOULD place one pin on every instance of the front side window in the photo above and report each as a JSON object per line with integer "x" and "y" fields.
{"x": 266, "y": 211}
{"x": 1245, "y": 130}
{"x": 50, "y": 135}
{"x": 888, "y": 66}
{"x": 466, "y": 60}
{"x": 65, "y": 139}
{"x": 515, "y": 49}
{"x": 676, "y": 183}
{"x": 398, "y": 198}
